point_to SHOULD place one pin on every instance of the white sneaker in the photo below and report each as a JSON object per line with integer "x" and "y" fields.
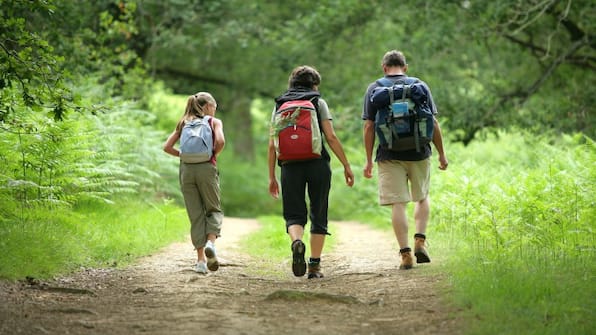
{"x": 201, "y": 268}
{"x": 212, "y": 263}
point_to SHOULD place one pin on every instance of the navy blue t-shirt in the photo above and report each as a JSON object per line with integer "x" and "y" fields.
{"x": 369, "y": 113}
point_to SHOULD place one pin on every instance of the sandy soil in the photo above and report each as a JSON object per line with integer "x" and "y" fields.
{"x": 363, "y": 292}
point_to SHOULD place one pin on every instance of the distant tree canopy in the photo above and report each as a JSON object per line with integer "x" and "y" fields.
{"x": 491, "y": 65}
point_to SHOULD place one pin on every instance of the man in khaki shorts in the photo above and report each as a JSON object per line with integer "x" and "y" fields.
{"x": 404, "y": 176}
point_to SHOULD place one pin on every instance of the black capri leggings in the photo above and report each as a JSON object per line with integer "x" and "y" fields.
{"x": 315, "y": 177}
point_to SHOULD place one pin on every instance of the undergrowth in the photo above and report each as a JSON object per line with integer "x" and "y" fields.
{"x": 518, "y": 219}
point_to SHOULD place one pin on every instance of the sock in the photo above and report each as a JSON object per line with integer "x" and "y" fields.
{"x": 420, "y": 235}
{"x": 314, "y": 260}
{"x": 403, "y": 250}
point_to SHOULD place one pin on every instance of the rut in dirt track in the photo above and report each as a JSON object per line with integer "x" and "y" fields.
{"x": 363, "y": 292}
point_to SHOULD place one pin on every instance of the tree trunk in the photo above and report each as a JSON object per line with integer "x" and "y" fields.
{"x": 235, "y": 113}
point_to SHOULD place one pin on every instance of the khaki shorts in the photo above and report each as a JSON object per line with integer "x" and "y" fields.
{"x": 403, "y": 181}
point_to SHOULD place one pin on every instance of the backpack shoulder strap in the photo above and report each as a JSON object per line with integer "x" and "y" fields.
{"x": 315, "y": 102}
{"x": 209, "y": 120}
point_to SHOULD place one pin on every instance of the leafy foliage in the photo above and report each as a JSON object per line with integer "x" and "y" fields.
{"x": 537, "y": 73}
{"x": 51, "y": 164}
{"x": 490, "y": 65}
{"x": 31, "y": 71}
{"x": 52, "y": 159}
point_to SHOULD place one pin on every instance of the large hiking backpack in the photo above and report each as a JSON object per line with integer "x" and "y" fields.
{"x": 296, "y": 131}
{"x": 404, "y": 119}
{"x": 196, "y": 140}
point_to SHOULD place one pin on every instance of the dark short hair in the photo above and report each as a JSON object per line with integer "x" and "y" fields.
{"x": 304, "y": 76}
{"x": 394, "y": 58}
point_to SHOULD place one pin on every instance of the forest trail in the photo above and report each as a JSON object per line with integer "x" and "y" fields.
{"x": 363, "y": 292}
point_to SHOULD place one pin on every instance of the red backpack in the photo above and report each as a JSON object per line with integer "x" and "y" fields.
{"x": 296, "y": 131}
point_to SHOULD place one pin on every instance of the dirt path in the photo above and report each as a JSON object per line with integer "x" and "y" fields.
{"x": 363, "y": 293}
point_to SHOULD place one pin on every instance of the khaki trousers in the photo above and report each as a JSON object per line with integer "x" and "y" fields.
{"x": 200, "y": 187}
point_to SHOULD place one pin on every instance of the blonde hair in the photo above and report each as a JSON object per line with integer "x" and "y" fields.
{"x": 196, "y": 104}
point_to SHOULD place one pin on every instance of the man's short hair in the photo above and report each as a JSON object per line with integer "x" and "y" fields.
{"x": 394, "y": 58}
{"x": 304, "y": 76}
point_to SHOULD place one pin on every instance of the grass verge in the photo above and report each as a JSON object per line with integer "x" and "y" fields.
{"x": 49, "y": 243}
{"x": 533, "y": 294}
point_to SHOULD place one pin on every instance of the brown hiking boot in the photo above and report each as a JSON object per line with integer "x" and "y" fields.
{"x": 406, "y": 259}
{"x": 314, "y": 270}
{"x": 420, "y": 249}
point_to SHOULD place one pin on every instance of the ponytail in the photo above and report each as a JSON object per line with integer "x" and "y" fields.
{"x": 196, "y": 104}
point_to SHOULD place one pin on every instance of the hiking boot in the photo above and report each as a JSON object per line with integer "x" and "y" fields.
{"x": 420, "y": 249}
{"x": 212, "y": 262}
{"x": 406, "y": 259}
{"x": 201, "y": 268}
{"x": 314, "y": 270}
{"x": 298, "y": 263}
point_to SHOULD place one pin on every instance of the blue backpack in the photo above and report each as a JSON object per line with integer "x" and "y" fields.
{"x": 196, "y": 140}
{"x": 404, "y": 119}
